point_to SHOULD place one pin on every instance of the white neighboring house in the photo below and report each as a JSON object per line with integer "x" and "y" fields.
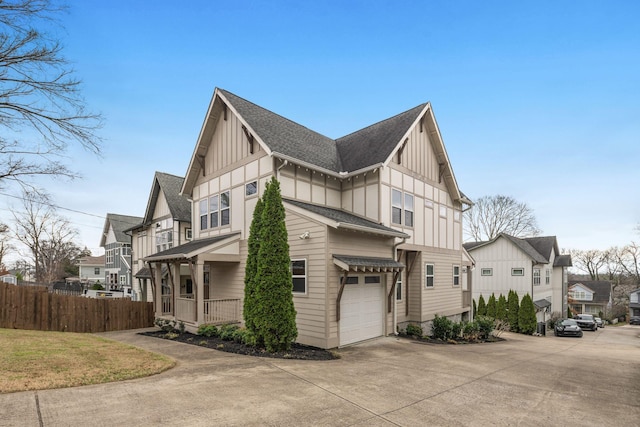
{"x": 91, "y": 270}
{"x": 531, "y": 266}
{"x": 590, "y": 296}
{"x": 9, "y": 278}
{"x": 634, "y": 303}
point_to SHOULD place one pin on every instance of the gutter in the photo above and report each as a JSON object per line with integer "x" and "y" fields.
{"x": 340, "y": 175}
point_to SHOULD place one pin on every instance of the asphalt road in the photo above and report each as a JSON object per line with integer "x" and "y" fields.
{"x": 524, "y": 380}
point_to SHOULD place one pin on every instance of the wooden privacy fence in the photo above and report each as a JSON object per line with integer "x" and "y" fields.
{"x": 26, "y": 307}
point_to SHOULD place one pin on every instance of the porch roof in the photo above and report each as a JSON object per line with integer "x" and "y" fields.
{"x": 201, "y": 246}
{"x": 364, "y": 264}
{"x": 542, "y": 303}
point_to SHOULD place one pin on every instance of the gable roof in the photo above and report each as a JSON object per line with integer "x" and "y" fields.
{"x": 91, "y": 260}
{"x": 601, "y": 289}
{"x": 191, "y": 249}
{"x": 119, "y": 224}
{"x": 170, "y": 185}
{"x": 344, "y": 220}
{"x": 366, "y": 149}
{"x": 539, "y": 249}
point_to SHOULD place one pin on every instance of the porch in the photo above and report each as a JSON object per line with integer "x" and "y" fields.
{"x": 216, "y": 311}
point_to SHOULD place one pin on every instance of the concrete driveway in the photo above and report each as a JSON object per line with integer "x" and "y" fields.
{"x": 593, "y": 381}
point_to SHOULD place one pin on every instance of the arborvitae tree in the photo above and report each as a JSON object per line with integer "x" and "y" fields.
{"x": 501, "y": 308}
{"x": 569, "y": 314}
{"x": 514, "y": 307}
{"x": 475, "y": 308}
{"x": 251, "y": 268}
{"x": 527, "y": 316}
{"x": 491, "y": 306}
{"x": 482, "y": 307}
{"x": 274, "y": 312}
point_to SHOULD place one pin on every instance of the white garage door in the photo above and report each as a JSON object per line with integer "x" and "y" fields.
{"x": 361, "y": 309}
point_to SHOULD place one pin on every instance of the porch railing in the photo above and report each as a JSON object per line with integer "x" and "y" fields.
{"x": 186, "y": 309}
{"x": 219, "y": 311}
{"x": 166, "y": 304}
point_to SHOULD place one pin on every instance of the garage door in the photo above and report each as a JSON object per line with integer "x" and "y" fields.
{"x": 361, "y": 309}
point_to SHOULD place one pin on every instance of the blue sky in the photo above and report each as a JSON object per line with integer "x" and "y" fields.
{"x": 535, "y": 100}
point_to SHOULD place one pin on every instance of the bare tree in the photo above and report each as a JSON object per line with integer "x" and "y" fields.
{"x": 42, "y": 231}
{"x": 591, "y": 262}
{"x": 41, "y": 108}
{"x": 5, "y": 244}
{"x": 492, "y": 215}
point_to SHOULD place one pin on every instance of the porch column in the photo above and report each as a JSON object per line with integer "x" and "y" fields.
{"x": 156, "y": 287}
{"x": 198, "y": 282}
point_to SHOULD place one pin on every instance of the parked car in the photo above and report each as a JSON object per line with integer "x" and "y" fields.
{"x": 599, "y": 322}
{"x": 634, "y": 320}
{"x": 567, "y": 328}
{"x": 586, "y": 321}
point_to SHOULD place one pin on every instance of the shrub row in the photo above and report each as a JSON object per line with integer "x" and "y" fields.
{"x": 445, "y": 329}
{"x": 228, "y": 332}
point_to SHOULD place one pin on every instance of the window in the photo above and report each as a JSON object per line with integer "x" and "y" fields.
{"x": 352, "y": 280}
{"x": 486, "y": 272}
{"x": 408, "y": 210}
{"x": 126, "y": 250}
{"x": 187, "y": 234}
{"x": 203, "y": 214}
{"x": 443, "y": 211}
{"x": 164, "y": 240}
{"x": 123, "y": 280}
{"x": 456, "y": 275}
{"x": 517, "y": 271}
{"x": 536, "y": 276}
{"x": 371, "y": 279}
{"x": 299, "y": 275}
{"x": 251, "y": 188}
{"x": 399, "y": 288}
{"x": 96, "y": 271}
{"x": 396, "y": 207}
{"x": 547, "y": 277}
{"x": 399, "y": 202}
{"x": 219, "y": 210}
{"x": 109, "y": 256}
{"x": 428, "y": 276}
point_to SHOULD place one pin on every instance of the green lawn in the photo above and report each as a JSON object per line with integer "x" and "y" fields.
{"x": 36, "y": 360}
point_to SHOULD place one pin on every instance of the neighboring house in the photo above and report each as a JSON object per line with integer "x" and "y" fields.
{"x": 166, "y": 223}
{"x": 590, "y": 296}
{"x": 374, "y": 221}
{"x": 117, "y": 249}
{"x": 9, "y": 278}
{"x": 634, "y": 303}
{"x": 526, "y": 265}
{"x": 91, "y": 269}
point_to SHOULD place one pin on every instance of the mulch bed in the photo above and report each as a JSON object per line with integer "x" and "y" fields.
{"x": 297, "y": 351}
{"x": 428, "y": 340}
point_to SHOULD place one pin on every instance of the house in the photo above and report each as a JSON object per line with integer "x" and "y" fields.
{"x": 531, "y": 266}
{"x": 634, "y": 303}
{"x": 117, "y": 249}
{"x": 91, "y": 269}
{"x": 590, "y": 296}
{"x": 7, "y": 277}
{"x": 166, "y": 223}
{"x": 374, "y": 221}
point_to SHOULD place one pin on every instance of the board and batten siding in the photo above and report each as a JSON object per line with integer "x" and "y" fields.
{"x": 443, "y": 299}
{"x": 309, "y": 186}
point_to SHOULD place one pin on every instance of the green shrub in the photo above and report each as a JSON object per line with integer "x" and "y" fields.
{"x": 168, "y": 326}
{"x": 208, "y": 330}
{"x": 482, "y": 307}
{"x": 491, "y": 306}
{"x": 484, "y": 325}
{"x": 470, "y": 331}
{"x": 249, "y": 338}
{"x": 414, "y": 330}
{"x": 501, "y": 308}
{"x": 227, "y": 331}
{"x": 441, "y": 328}
{"x": 527, "y": 316}
{"x": 456, "y": 330}
{"x": 513, "y": 303}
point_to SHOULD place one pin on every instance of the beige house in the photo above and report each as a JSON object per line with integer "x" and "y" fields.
{"x": 531, "y": 266}
{"x": 166, "y": 223}
{"x": 374, "y": 221}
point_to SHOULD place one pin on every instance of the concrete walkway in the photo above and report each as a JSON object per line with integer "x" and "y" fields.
{"x": 593, "y": 381}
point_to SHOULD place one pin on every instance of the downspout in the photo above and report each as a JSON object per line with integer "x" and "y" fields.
{"x": 394, "y": 254}
{"x": 284, "y": 163}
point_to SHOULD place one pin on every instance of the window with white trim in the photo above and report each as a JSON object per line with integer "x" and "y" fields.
{"x": 399, "y": 288}
{"x": 109, "y": 256}
{"x": 214, "y": 205}
{"x": 536, "y": 276}
{"x": 396, "y": 206}
{"x": 203, "y": 214}
{"x": 299, "y": 275}
{"x": 547, "y": 276}
{"x": 408, "y": 210}
{"x": 486, "y": 271}
{"x": 517, "y": 271}
{"x": 96, "y": 271}
{"x": 126, "y": 249}
{"x": 429, "y": 275}
{"x": 219, "y": 210}
{"x": 225, "y": 209}
{"x": 123, "y": 279}
{"x": 456, "y": 275}
{"x": 251, "y": 188}
{"x": 187, "y": 234}
{"x": 402, "y": 208}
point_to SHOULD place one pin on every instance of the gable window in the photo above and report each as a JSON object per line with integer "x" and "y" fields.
{"x": 299, "y": 275}
{"x": 401, "y": 202}
{"x": 536, "y": 276}
{"x": 399, "y": 288}
{"x": 213, "y": 209}
{"x": 547, "y": 277}
{"x": 187, "y": 234}
{"x": 456, "y": 275}
{"x": 517, "y": 271}
{"x": 429, "y": 275}
{"x": 109, "y": 256}
{"x": 219, "y": 210}
{"x": 225, "y": 210}
{"x": 486, "y": 272}
{"x": 251, "y": 188}
{"x": 203, "y": 214}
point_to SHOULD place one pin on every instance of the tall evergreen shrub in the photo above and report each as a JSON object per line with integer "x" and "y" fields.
{"x": 501, "y": 308}
{"x": 251, "y": 268}
{"x": 527, "y": 316}
{"x": 475, "y": 308}
{"x": 491, "y": 306}
{"x": 275, "y": 315}
{"x": 482, "y": 307}
{"x": 514, "y": 308}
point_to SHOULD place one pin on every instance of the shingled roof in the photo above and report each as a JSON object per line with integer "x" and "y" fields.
{"x": 601, "y": 289}
{"x": 119, "y": 224}
{"x": 179, "y": 205}
{"x": 537, "y": 248}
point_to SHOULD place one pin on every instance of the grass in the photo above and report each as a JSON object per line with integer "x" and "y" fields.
{"x": 37, "y": 360}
